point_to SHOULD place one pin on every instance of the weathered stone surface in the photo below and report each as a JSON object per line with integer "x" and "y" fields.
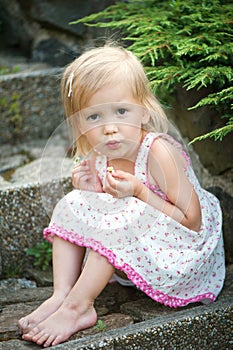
{"x": 18, "y": 344}
{"x": 193, "y": 327}
{"x": 43, "y": 169}
{"x": 227, "y": 209}
{"x": 41, "y": 31}
{"x": 42, "y": 278}
{"x": 24, "y": 295}
{"x": 18, "y": 303}
{"x": 30, "y": 105}
{"x": 12, "y": 162}
{"x": 25, "y": 211}
{"x": 10, "y": 314}
{"x": 228, "y": 285}
{"x": 111, "y": 321}
{"x": 13, "y": 284}
{"x": 203, "y": 327}
{"x": 37, "y": 160}
{"x": 114, "y": 295}
{"x": 215, "y": 156}
{"x": 146, "y": 308}
{"x": 3, "y": 182}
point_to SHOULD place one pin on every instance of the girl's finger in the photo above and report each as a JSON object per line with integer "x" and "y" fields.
{"x": 110, "y": 180}
{"x": 120, "y": 174}
{"x": 76, "y": 180}
{"x": 83, "y": 162}
{"x": 81, "y": 168}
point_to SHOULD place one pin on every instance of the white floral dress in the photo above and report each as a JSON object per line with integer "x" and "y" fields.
{"x": 169, "y": 262}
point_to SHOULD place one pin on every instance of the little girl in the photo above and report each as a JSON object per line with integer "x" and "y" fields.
{"x": 137, "y": 205}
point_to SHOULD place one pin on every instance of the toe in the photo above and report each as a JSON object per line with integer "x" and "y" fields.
{"x": 58, "y": 340}
{"x": 22, "y": 324}
{"x": 49, "y": 341}
{"x": 28, "y": 336}
{"x": 40, "y": 338}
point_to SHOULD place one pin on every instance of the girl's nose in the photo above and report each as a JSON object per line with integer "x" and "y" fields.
{"x": 110, "y": 129}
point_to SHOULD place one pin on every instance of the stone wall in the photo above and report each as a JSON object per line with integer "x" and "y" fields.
{"x": 216, "y": 156}
{"x": 40, "y": 30}
{"x": 23, "y": 215}
{"x": 30, "y": 105}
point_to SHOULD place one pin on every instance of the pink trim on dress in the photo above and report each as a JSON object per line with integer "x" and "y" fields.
{"x": 134, "y": 276}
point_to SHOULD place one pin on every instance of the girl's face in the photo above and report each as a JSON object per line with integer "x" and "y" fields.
{"x": 112, "y": 122}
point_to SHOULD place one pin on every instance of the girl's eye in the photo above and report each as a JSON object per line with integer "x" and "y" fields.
{"x": 121, "y": 111}
{"x": 93, "y": 117}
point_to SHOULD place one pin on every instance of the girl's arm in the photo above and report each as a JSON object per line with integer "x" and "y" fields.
{"x": 190, "y": 219}
{"x": 166, "y": 169}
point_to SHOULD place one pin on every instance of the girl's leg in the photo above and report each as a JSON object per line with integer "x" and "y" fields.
{"x": 67, "y": 262}
{"x": 77, "y": 311}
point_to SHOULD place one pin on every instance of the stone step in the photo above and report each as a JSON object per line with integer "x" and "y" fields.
{"x": 33, "y": 177}
{"x": 130, "y": 320}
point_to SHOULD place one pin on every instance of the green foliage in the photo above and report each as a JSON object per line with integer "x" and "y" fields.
{"x": 100, "y": 325}
{"x": 6, "y": 70}
{"x": 180, "y": 42}
{"x": 13, "y": 270}
{"x": 42, "y": 253}
{"x": 11, "y": 104}
{"x": 217, "y": 134}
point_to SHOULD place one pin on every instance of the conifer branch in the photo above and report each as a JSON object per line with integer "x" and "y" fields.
{"x": 180, "y": 42}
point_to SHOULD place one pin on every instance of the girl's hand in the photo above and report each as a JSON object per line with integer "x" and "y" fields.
{"x": 84, "y": 179}
{"x": 121, "y": 184}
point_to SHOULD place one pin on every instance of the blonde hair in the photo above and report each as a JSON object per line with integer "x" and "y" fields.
{"x": 99, "y": 67}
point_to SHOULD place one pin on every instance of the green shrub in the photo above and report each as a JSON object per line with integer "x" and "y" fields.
{"x": 6, "y": 70}
{"x": 100, "y": 326}
{"x": 186, "y": 43}
{"x": 42, "y": 253}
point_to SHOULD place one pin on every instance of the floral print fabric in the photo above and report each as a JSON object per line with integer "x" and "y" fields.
{"x": 167, "y": 261}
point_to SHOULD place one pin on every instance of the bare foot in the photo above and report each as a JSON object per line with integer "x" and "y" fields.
{"x": 27, "y": 323}
{"x": 67, "y": 320}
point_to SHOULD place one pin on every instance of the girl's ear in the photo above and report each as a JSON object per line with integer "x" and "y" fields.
{"x": 146, "y": 116}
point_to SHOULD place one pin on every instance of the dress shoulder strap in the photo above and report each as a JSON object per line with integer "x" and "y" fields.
{"x": 142, "y": 157}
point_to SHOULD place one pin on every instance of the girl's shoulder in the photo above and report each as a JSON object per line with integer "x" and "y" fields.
{"x": 166, "y": 150}
{"x": 159, "y": 143}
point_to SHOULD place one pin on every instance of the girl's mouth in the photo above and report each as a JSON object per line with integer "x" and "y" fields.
{"x": 113, "y": 144}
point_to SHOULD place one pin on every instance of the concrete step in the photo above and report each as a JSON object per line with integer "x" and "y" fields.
{"x": 131, "y": 320}
{"x": 33, "y": 177}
